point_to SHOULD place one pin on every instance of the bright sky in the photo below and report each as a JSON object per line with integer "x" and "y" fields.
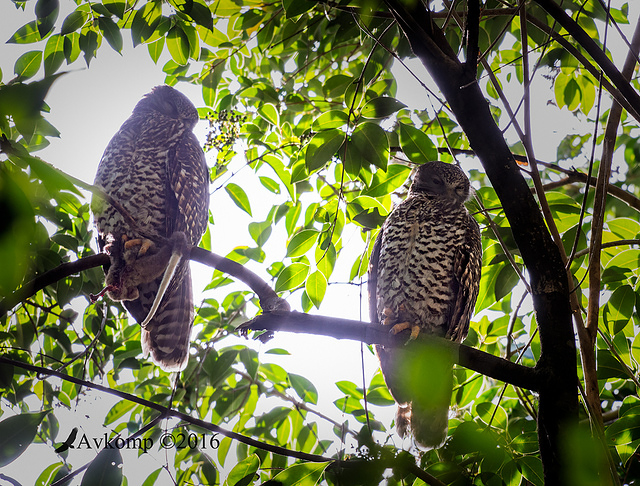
{"x": 88, "y": 106}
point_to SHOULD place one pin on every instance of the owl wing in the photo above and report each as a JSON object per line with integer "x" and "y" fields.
{"x": 467, "y": 267}
{"x": 188, "y": 183}
{"x": 167, "y": 335}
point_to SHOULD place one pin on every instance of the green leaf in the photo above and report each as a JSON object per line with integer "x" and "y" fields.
{"x": 111, "y": 32}
{"x": 609, "y": 366}
{"x": 506, "y": 280}
{"x": 304, "y": 474}
{"x": 74, "y": 21}
{"x": 47, "y": 14}
{"x": 322, "y": 148}
{"x": 304, "y": 388}
{"x": 260, "y": 232}
{"x": 384, "y": 183}
{"x": 26, "y": 34}
{"x": 270, "y": 113}
{"x": 53, "y": 54}
{"x": 145, "y": 22}
{"x": 301, "y": 243}
{"x": 381, "y": 107}
{"x": 104, "y": 470}
{"x": 492, "y": 414}
{"x": 531, "y": 468}
{"x": 330, "y": 119}
{"x": 242, "y": 474}
{"x": 270, "y": 184}
{"x": 239, "y": 197}
{"x": 89, "y": 44}
{"x": 118, "y": 411}
{"x": 218, "y": 367}
{"x": 16, "y": 434}
{"x": 291, "y": 277}
{"x": 293, "y": 8}
{"x": 417, "y": 145}
{"x": 28, "y": 64}
{"x": 625, "y": 228}
{"x": 44, "y": 8}
{"x": 316, "y": 287}
{"x": 155, "y": 49}
{"x": 178, "y": 45}
{"x": 351, "y": 389}
{"x": 372, "y": 144}
{"x": 200, "y": 14}
{"x": 619, "y": 308}
{"x": 278, "y": 351}
{"x": 116, "y": 7}
{"x": 210, "y": 83}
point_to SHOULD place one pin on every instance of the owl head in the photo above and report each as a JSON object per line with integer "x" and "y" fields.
{"x": 441, "y": 180}
{"x": 170, "y": 102}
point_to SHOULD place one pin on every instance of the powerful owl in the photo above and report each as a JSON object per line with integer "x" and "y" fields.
{"x": 424, "y": 276}
{"x": 155, "y": 178}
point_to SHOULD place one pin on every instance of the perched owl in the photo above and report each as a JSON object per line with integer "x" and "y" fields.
{"x": 155, "y": 170}
{"x": 424, "y": 276}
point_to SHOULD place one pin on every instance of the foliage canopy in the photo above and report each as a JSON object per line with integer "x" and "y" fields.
{"x": 305, "y": 92}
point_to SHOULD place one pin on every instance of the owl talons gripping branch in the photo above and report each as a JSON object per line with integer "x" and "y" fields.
{"x": 155, "y": 176}
{"x": 424, "y": 276}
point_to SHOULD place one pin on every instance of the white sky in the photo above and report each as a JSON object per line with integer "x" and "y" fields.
{"x": 89, "y": 105}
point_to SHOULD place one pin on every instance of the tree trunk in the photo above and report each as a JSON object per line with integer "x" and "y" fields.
{"x": 558, "y": 403}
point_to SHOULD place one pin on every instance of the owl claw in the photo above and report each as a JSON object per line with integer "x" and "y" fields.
{"x": 415, "y": 331}
{"x": 144, "y": 244}
{"x": 400, "y": 327}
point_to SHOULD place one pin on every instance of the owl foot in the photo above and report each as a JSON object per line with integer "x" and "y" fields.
{"x": 144, "y": 244}
{"x": 415, "y": 329}
{"x": 388, "y": 314}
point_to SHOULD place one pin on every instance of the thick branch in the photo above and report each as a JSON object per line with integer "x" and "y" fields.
{"x": 269, "y": 300}
{"x": 49, "y": 278}
{"x": 471, "y": 358}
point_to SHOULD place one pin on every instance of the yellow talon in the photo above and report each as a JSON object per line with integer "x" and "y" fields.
{"x": 400, "y": 327}
{"x": 144, "y": 244}
{"x": 415, "y": 330}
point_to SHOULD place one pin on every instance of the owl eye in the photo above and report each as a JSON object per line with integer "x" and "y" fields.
{"x": 437, "y": 181}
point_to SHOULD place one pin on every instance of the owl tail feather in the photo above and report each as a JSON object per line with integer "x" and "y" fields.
{"x": 179, "y": 247}
{"x": 429, "y": 426}
{"x": 167, "y": 335}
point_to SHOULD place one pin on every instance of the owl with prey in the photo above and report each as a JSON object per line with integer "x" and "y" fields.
{"x": 423, "y": 276}
{"x": 155, "y": 182}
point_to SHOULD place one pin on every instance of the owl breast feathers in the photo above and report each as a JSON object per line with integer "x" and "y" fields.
{"x": 155, "y": 171}
{"x": 424, "y": 276}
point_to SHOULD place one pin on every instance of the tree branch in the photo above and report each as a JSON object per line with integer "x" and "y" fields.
{"x": 168, "y": 412}
{"x": 471, "y": 358}
{"x": 51, "y": 277}
{"x": 385, "y": 462}
{"x": 269, "y": 300}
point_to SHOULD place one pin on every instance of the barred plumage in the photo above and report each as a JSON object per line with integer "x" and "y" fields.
{"x": 424, "y": 275}
{"x": 155, "y": 169}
